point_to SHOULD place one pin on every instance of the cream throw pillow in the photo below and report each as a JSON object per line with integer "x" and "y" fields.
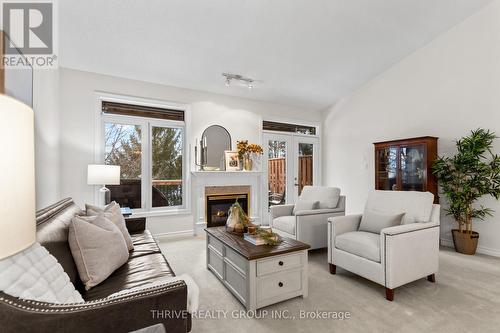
{"x": 302, "y": 204}
{"x": 98, "y": 248}
{"x": 114, "y": 214}
{"x": 374, "y": 221}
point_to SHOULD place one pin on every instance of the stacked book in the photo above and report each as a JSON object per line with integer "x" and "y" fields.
{"x": 254, "y": 239}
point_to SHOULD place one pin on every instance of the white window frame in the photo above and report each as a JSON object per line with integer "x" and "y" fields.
{"x": 146, "y": 161}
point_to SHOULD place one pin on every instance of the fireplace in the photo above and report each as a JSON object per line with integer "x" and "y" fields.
{"x": 218, "y": 200}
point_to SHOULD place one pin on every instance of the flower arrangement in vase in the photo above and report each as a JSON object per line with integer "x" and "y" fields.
{"x": 246, "y": 152}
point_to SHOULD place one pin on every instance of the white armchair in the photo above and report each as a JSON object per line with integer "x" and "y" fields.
{"x": 399, "y": 254}
{"x": 309, "y": 226}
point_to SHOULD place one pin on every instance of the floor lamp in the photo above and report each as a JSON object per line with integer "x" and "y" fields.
{"x": 17, "y": 178}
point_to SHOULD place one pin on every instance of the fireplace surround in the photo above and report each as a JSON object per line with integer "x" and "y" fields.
{"x": 211, "y": 183}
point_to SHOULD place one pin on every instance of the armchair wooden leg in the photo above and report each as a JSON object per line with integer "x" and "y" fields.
{"x": 333, "y": 269}
{"x": 431, "y": 278}
{"x": 389, "y": 294}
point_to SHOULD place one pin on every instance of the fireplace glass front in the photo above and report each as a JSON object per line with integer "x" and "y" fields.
{"x": 217, "y": 208}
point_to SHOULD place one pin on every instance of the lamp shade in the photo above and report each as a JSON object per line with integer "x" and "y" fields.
{"x": 98, "y": 174}
{"x": 17, "y": 177}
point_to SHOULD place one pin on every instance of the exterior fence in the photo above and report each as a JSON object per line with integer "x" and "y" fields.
{"x": 277, "y": 174}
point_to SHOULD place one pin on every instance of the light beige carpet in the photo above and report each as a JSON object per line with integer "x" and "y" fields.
{"x": 466, "y": 297}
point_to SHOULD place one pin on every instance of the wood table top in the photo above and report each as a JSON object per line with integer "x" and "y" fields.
{"x": 252, "y": 252}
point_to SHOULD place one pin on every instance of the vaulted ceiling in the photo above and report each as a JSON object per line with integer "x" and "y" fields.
{"x": 307, "y": 53}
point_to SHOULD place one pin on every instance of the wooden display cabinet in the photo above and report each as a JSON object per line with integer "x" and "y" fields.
{"x": 406, "y": 165}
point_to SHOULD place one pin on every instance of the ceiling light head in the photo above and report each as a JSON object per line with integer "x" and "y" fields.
{"x": 245, "y": 81}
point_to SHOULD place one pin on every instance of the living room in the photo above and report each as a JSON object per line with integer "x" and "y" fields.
{"x": 281, "y": 167}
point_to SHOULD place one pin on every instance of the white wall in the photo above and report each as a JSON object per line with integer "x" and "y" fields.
{"x": 444, "y": 89}
{"x": 45, "y": 106}
{"x": 242, "y": 118}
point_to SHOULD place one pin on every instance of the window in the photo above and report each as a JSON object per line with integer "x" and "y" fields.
{"x": 148, "y": 144}
{"x": 285, "y": 127}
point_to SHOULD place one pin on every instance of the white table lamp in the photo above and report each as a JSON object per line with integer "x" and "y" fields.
{"x": 98, "y": 174}
{"x": 17, "y": 177}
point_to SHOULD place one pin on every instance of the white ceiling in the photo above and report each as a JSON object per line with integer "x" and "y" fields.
{"x": 307, "y": 53}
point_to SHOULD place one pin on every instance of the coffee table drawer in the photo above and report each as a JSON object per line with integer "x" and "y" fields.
{"x": 279, "y": 284}
{"x": 278, "y": 264}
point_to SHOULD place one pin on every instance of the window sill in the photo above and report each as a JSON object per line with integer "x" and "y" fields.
{"x": 158, "y": 213}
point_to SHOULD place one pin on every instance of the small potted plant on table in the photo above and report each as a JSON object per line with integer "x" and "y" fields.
{"x": 464, "y": 178}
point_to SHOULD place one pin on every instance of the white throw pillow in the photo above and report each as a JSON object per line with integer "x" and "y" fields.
{"x": 34, "y": 274}
{"x": 98, "y": 248}
{"x": 302, "y": 204}
{"x": 376, "y": 221}
{"x": 114, "y": 214}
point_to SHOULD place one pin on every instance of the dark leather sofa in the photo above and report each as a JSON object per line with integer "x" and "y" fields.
{"x": 101, "y": 313}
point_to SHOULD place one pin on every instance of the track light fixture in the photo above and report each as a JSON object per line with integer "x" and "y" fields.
{"x": 240, "y": 79}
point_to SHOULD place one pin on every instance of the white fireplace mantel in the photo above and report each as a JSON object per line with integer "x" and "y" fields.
{"x": 203, "y": 179}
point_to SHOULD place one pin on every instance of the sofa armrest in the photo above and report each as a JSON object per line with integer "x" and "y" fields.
{"x": 135, "y": 225}
{"x": 405, "y": 228}
{"x": 343, "y": 224}
{"x": 409, "y": 252}
{"x": 281, "y": 210}
{"x": 313, "y": 228}
{"x": 339, "y": 225}
{"x": 319, "y": 211}
{"x": 164, "y": 304}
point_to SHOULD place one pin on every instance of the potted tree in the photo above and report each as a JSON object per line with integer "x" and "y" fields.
{"x": 464, "y": 178}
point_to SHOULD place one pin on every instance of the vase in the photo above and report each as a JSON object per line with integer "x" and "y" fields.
{"x": 465, "y": 243}
{"x": 247, "y": 163}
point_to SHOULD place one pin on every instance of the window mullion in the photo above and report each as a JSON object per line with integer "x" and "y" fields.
{"x": 145, "y": 179}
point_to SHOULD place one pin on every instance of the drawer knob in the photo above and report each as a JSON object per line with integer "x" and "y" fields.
{"x": 280, "y": 284}
{"x": 280, "y": 263}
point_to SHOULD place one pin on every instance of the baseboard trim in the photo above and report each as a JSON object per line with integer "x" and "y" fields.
{"x": 480, "y": 249}
{"x": 174, "y": 234}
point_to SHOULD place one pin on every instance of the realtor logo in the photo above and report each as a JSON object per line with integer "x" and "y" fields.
{"x": 30, "y": 34}
{"x": 29, "y": 27}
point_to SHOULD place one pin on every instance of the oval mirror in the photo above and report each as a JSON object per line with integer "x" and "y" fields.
{"x": 217, "y": 140}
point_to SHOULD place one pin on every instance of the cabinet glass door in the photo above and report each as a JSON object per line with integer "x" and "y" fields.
{"x": 387, "y": 160}
{"x": 413, "y": 168}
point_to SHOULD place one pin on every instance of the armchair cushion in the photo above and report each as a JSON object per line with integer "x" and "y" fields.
{"x": 360, "y": 243}
{"x": 374, "y": 221}
{"x": 416, "y": 205}
{"x": 285, "y": 223}
{"x": 302, "y": 204}
{"x": 328, "y": 197}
